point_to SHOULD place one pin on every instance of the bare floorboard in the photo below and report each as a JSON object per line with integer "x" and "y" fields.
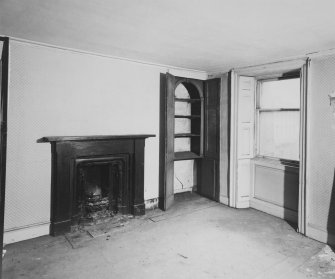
{"x": 197, "y": 238}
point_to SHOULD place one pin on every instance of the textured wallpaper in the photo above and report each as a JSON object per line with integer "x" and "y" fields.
{"x": 321, "y": 146}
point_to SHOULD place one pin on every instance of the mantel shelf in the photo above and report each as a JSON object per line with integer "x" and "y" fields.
{"x": 92, "y": 138}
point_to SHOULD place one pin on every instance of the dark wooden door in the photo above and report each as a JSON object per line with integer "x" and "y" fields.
{"x": 209, "y": 165}
{"x": 3, "y": 130}
{"x": 166, "y": 141}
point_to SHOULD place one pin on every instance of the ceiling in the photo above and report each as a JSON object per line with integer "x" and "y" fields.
{"x": 212, "y": 35}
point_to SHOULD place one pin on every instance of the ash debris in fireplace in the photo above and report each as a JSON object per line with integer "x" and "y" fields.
{"x": 95, "y": 207}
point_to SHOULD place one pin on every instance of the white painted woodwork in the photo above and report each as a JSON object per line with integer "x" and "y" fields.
{"x": 224, "y": 140}
{"x": 246, "y": 118}
{"x": 272, "y": 201}
{"x": 275, "y": 210}
{"x": 245, "y": 138}
{"x": 26, "y": 232}
{"x": 275, "y": 188}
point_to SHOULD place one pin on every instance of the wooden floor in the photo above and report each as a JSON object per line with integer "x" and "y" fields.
{"x": 197, "y": 238}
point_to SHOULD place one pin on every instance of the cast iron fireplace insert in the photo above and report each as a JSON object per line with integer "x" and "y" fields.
{"x": 100, "y": 189}
{"x": 90, "y": 174}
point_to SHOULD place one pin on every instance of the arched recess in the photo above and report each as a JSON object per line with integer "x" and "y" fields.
{"x": 188, "y": 120}
{"x": 188, "y": 114}
{"x": 202, "y": 133}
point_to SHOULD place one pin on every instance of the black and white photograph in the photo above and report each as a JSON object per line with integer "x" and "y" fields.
{"x": 170, "y": 139}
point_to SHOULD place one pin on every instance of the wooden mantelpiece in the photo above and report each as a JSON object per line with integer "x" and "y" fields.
{"x": 67, "y": 151}
{"x": 92, "y": 138}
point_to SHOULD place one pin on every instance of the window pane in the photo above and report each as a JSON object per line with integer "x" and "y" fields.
{"x": 279, "y": 134}
{"x": 280, "y": 94}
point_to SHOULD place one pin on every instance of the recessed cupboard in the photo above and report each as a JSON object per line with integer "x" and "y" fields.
{"x": 189, "y": 130}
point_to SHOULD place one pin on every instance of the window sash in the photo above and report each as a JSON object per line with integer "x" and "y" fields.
{"x": 259, "y": 110}
{"x": 284, "y": 104}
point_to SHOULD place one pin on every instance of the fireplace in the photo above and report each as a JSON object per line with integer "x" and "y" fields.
{"x": 95, "y": 178}
{"x": 101, "y": 189}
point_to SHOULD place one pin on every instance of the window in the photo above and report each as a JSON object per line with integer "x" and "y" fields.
{"x": 278, "y": 118}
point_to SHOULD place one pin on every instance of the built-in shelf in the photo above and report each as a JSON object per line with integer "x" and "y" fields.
{"x": 186, "y": 155}
{"x": 188, "y": 122}
{"x": 187, "y": 116}
{"x": 187, "y": 100}
{"x": 186, "y": 135}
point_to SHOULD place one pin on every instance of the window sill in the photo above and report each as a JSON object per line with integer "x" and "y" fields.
{"x": 276, "y": 162}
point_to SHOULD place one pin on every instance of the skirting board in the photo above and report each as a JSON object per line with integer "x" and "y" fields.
{"x": 243, "y": 204}
{"x": 26, "y": 233}
{"x": 319, "y": 234}
{"x": 224, "y": 200}
{"x": 32, "y": 231}
{"x": 274, "y": 210}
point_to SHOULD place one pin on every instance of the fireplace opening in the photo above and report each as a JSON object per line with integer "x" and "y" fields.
{"x": 101, "y": 190}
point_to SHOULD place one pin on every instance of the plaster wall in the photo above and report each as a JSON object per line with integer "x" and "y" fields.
{"x": 60, "y": 92}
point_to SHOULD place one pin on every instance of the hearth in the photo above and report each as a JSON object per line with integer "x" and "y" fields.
{"x": 95, "y": 178}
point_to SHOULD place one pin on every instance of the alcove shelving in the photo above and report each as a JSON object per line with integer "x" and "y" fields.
{"x": 188, "y": 107}
{"x": 189, "y": 137}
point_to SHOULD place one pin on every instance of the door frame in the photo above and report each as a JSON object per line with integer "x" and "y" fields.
{"x": 3, "y": 133}
{"x": 269, "y": 70}
{"x": 232, "y": 194}
{"x": 304, "y": 89}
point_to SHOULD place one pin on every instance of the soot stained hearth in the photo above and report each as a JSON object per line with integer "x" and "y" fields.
{"x": 94, "y": 178}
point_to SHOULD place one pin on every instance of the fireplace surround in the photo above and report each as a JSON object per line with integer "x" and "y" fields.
{"x": 95, "y": 177}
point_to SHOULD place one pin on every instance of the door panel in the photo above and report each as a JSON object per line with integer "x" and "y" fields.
{"x": 246, "y": 95}
{"x": 166, "y": 193}
{"x": 245, "y": 146}
{"x": 208, "y": 187}
{"x": 209, "y": 180}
